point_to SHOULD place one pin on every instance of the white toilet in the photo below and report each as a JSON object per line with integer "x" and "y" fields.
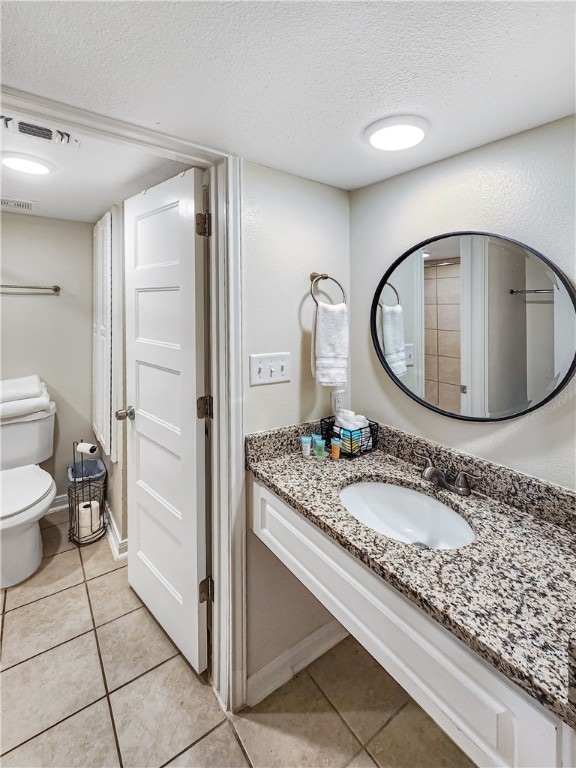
{"x": 26, "y": 492}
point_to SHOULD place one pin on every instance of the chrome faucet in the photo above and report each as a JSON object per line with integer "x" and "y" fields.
{"x": 457, "y": 483}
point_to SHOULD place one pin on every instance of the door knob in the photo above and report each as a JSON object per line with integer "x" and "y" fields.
{"x": 126, "y": 413}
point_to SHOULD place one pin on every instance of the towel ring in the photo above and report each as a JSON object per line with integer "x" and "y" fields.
{"x": 315, "y": 277}
{"x": 395, "y": 291}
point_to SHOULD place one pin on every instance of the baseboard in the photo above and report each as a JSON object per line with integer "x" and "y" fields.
{"x": 284, "y": 667}
{"x": 118, "y": 546}
{"x": 59, "y": 502}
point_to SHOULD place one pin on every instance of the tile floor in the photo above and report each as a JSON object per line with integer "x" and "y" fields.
{"x": 89, "y": 679}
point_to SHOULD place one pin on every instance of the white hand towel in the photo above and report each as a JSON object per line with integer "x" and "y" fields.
{"x": 26, "y": 406}
{"x": 20, "y": 389}
{"x": 330, "y": 345}
{"x": 393, "y": 336}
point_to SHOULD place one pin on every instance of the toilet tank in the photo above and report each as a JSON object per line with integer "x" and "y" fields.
{"x": 27, "y": 440}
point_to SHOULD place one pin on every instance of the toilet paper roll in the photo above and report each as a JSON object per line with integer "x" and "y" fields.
{"x": 88, "y": 448}
{"x": 88, "y": 517}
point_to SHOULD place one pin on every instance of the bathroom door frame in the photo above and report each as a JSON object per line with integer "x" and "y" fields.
{"x": 228, "y": 509}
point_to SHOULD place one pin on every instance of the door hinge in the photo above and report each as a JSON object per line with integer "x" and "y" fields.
{"x": 204, "y": 224}
{"x": 205, "y": 407}
{"x": 207, "y": 590}
{"x": 463, "y": 389}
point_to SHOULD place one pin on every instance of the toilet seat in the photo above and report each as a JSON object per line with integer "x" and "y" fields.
{"x": 23, "y": 488}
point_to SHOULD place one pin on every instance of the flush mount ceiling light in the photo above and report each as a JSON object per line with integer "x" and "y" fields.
{"x": 397, "y": 132}
{"x": 26, "y": 163}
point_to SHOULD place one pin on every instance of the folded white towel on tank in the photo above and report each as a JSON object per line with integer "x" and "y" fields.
{"x": 330, "y": 345}
{"x": 20, "y": 389}
{"x": 26, "y": 406}
{"x": 30, "y": 416}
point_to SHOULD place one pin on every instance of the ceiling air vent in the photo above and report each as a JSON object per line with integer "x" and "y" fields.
{"x": 39, "y": 131}
{"x": 19, "y": 206}
{"x": 43, "y": 132}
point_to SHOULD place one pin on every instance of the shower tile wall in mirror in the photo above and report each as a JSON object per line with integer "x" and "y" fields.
{"x": 476, "y": 326}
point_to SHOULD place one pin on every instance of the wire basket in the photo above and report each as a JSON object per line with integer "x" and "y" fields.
{"x": 86, "y": 495}
{"x": 355, "y": 442}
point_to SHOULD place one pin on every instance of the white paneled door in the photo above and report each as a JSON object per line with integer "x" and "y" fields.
{"x": 164, "y": 378}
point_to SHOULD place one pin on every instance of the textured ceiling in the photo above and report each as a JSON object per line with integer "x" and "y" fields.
{"x": 292, "y": 85}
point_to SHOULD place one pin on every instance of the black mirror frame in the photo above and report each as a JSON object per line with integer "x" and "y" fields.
{"x": 380, "y": 353}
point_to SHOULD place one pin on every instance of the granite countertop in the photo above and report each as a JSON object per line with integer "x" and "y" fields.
{"x": 510, "y": 596}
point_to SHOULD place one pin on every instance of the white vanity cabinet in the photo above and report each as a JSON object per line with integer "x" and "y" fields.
{"x": 491, "y": 719}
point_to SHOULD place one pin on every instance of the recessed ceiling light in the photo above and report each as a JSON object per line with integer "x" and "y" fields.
{"x": 397, "y": 132}
{"x": 425, "y": 255}
{"x": 26, "y": 163}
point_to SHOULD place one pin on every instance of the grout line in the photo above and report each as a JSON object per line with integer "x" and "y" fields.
{"x": 59, "y": 553}
{"x": 97, "y": 576}
{"x": 37, "y": 600}
{"x": 114, "y": 731}
{"x": 104, "y": 573}
{"x": 400, "y": 708}
{"x": 155, "y": 620}
{"x": 193, "y": 744}
{"x": 107, "y": 573}
{"x": 48, "y": 523}
{"x": 50, "y": 593}
{"x": 51, "y": 528}
{"x": 47, "y": 650}
{"x": 333, "y": 707}
{"x": 51, "y": 524}
{"x": 175, "y": 655}
{"x": 386, "y": 724}
{"x": 109, "y": 621}
{"x": 49, "y": 728}
{"x": 4, "y": 593}
{"x": 240, "y": 743}
{"x": 348, "y": 764}
{"x": 31, "y": 602}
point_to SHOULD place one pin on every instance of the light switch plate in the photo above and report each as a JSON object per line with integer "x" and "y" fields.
{"x": 409, "y": 349}
{"x": 269, "y": 368}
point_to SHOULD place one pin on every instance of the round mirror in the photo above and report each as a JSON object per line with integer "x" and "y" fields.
{"x": 476, "y": 326}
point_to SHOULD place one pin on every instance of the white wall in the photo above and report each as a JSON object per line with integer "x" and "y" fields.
{"x": 51, "y": 335}
{"x": 522, "y": 187}
{"x": 290, "y": 227}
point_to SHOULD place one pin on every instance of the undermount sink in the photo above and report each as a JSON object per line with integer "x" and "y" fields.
{"x": 407, "y": 515}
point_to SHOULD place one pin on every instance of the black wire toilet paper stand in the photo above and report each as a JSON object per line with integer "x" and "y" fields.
{"x": 86, "y": 495}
